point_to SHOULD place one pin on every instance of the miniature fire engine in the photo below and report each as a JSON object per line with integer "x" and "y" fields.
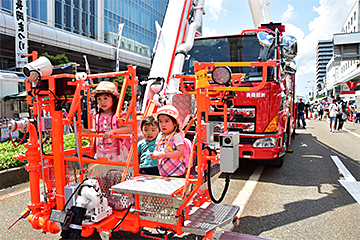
{"x": 80, "y": 194}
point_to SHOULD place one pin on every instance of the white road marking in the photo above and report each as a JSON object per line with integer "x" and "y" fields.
{"x": 244, "y": 195}
{"x": 350, "y": 183}
{"x": 355, "y": 134}
{"x": 347, "y": 175}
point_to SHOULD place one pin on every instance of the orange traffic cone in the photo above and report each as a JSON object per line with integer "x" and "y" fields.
{"x": 311, "y": 114}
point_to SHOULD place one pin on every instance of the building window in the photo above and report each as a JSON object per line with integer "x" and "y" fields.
{"x": 76, "y": 16}
{"x": 351, "y": 21}
{"x": 354, "y": 16}
{"x": 37, "y": 10}
{"x": 138, "y": 17}
{"x": 6, "y": 6}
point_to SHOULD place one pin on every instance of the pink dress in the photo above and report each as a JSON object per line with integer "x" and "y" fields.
{"x": 114, "y": 149}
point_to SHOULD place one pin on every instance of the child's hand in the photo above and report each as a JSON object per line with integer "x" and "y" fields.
{"x": 107, "y": 134}
{"x": 157, "y": 154}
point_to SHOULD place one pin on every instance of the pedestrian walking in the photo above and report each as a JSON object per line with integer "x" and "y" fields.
{"x": 315, "y": 110}
{"x": 307, "y": 109}
{"x": 357, "y": 118}
{"x": 320, "y": 110}
{"x": 341, "y": 116}
{"x": 333, "y": 111}
{"x": 357, "y": 109}
{"x": 301, "y": 109}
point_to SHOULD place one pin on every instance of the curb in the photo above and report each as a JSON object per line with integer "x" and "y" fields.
{"x": 13, "y": 176}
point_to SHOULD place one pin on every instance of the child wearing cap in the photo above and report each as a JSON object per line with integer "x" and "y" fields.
{"x": 170, "y": 143}
{"x": 106, "y": 99}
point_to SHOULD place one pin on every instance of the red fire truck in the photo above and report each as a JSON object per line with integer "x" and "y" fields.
{"x": 265, "y": 119}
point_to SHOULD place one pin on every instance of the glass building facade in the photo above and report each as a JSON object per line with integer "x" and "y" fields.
{"x": 37, "y": 9}
{"x": 139, "y": 18}
{"x": 77, "y": 16}
{"x": 82, "y": 17}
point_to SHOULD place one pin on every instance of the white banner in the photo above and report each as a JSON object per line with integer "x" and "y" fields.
{"x": 21, "y": 33}
{"x": 121, "y": 26}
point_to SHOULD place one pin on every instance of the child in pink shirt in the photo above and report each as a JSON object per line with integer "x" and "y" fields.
{"x": 105, "y": 121}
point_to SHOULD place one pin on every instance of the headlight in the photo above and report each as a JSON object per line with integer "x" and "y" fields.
{"x": 265, "y": 143}
{"x": 221, "y": 75}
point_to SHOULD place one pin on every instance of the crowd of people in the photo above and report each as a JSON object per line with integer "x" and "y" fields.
{"x": 338, "y": 111}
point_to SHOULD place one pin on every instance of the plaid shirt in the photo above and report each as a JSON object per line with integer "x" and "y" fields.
{"x": 170, "y": 167}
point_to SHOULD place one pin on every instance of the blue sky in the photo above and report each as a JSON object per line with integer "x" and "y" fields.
{"x": 307, "y": 20}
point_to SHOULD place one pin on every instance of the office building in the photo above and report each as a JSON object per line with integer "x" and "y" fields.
{"x": 324, "y": 52}
{"x": 344, "y": 66}
{"x": 86, "y": 27}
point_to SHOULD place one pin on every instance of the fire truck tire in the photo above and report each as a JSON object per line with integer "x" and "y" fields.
{"x": 278, "y": 162}
{"x": 293, "y": 134}
{"x": 286, "y": 140}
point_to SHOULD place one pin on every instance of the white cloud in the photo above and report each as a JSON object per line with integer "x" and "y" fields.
{"x": 215, "y": 7}
{"x": 289, "y": 13}
{"x": 206, "y": 31}
{"x": 332, "y": 14}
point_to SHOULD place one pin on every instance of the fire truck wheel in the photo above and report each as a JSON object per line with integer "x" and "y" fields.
{"x": 285, "y": 140}
{"x": 278, "y": 162}
{"x": 293, "y": 135}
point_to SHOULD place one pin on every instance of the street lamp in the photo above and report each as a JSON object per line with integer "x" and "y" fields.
{"x": 311, "y": 94}
{"x": 312, "y": 87}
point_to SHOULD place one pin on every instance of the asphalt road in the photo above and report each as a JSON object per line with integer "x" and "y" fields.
{"x": 301, "y": 200}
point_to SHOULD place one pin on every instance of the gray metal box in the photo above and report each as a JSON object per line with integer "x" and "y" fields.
{"x": 69, "y": 189}
{"x": 229, "y": 139}
{"x": 229, "y": 159}
{"x": 209, "y": 133}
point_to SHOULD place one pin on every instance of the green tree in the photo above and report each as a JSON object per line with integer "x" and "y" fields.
{"x": 322, "y": 95}
{"x": 119, "y": 80}
{"x": 59, "y": 59}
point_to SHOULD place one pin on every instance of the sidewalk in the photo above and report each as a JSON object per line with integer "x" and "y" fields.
{"x": 349, "y": 126}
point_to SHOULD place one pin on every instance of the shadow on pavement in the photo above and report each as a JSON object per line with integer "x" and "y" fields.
{"x": 302, "y": 169}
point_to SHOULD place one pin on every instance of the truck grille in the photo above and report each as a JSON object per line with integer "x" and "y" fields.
{"x": 247, "y": 141}
{"x": 240, "y": 118}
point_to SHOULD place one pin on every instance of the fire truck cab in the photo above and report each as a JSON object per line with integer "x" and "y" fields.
{"x": 265, "y": 119}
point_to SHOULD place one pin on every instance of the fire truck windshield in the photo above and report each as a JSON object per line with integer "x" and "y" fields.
{"x": 243, "y": 48}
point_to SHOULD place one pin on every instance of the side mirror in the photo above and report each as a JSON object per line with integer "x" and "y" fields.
{"x": 289, "y": 45}
{"x": 289, "y": 66}
{"x": 265, "y": 39}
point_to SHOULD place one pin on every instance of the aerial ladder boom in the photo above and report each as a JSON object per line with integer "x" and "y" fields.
{"x": 257, "y": 11}
{"x": 174, "y": 39}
